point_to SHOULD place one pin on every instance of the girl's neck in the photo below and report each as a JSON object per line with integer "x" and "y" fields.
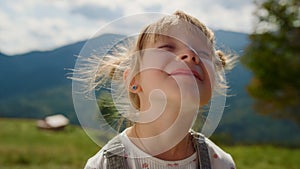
{"x": 167, "y": 137}
{"x": 172, "y": 118}
{"x": 180, "y": 151}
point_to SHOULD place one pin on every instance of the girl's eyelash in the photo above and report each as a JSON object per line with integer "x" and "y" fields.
{"x": 166, "y": 46}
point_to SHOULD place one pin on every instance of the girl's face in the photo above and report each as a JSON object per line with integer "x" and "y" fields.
{"x": 178, "y": 65}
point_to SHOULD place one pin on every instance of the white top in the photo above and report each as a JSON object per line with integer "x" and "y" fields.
{"x": 219, "y": 158}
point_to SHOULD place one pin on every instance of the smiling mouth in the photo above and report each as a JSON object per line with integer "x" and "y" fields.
{"x": 187, "y": 72}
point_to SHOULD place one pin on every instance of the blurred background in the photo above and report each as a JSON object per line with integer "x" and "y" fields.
{"x": 40, "y": 39}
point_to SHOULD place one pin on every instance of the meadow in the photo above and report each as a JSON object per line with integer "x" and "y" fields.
{"x": 23, "y": 146}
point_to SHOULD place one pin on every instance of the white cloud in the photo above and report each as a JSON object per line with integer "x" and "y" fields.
{"x": 92, "y": 11}
{"x": 41, "y": 25}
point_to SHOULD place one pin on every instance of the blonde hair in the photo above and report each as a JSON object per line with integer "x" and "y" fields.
{"x": 109, "y": 66}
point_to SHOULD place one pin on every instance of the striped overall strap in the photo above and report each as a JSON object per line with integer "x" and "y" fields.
{"x": 202, "y": 150}
{"x": 115, "y": 155}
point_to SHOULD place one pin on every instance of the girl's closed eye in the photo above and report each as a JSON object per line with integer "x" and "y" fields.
{"x": 167, "y": 47}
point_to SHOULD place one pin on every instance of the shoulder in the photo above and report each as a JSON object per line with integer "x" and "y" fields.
{"x": 95, "y": 162}
{"x": 219, "y": 158}
{"x": 98, "y": 160}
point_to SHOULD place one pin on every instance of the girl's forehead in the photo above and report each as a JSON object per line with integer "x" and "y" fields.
{"x": 187, "y": 34}
{"x": 193, "y": 39}
{"x": 181, "y": 31}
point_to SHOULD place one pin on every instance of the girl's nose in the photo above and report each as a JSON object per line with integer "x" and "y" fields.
{"x": 189, "y": 55}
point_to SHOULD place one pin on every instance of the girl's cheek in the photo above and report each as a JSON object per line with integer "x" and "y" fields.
{"x": 155, "y": 59}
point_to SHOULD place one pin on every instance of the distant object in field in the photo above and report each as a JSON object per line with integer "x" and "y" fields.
{"x": 54, "y": 122}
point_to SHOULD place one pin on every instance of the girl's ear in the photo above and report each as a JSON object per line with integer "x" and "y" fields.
{"x": 133, "y": 85}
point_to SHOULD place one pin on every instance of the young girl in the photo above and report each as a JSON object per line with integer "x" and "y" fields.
{"x": 173, "y": 71}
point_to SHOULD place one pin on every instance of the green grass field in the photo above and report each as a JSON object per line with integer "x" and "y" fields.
{"x": 23, "y": 146}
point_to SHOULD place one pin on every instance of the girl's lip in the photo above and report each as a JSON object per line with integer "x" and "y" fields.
{"x": 187, "y": 72}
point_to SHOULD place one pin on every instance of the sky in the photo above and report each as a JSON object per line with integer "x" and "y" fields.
{"x": 28, "y": 25}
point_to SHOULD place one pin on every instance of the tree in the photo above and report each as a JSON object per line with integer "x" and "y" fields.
{"x": 273, "y": 56}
